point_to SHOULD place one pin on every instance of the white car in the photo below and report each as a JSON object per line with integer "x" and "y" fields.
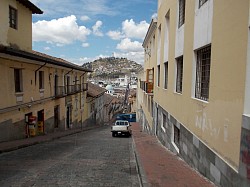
{"x": 121, "y": 127}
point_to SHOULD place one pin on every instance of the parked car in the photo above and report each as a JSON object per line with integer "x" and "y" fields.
{"x": 130, "y": 117}
{"x": 121, "y": 127}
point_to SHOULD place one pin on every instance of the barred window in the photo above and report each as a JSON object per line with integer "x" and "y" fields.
{"x": 177, "y": 136}
{"x": 164, "y": 121}
{"x": 201, "y": 2}
{"x": 181, "y": 12}
{"x": 166, "y": 75}
{"x": 159, "y": 75}
{"x": 203, "y": 73}
{"x": 179, "y": 74}
{"x": 13, "y": 17}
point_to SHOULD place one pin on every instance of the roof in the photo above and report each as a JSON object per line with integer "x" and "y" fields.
{"x": 41, "y": 57}
{"x": 95, "y": 90}
{"x": 108, "y": 98}
{"x": 34, "y": 9}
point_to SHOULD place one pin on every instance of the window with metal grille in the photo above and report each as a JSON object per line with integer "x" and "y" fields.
{"x": 179, "y": 74}
{"x": 177, "y": 136}
{"x": 201, "y": 2}
{"x": 18, "y": 80}
{"x": 166, "y": 75}
{"x": 41, "y": 80}
{"x": 203, "y": 73}
{"x": 181, "y": 12}
{"x": 159, "y": 75}
{"x": 13, "y": 17}
{"x": 164, "y": 119}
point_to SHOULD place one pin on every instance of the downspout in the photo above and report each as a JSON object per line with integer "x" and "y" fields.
{"x": 64, "y": 78}
{"x": 38, "y": 70}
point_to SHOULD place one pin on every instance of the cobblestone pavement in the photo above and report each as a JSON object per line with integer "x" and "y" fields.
{"x": 92, "y": 159}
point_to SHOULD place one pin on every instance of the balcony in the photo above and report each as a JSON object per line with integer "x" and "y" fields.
{"x": 148, "y": 87}
{"x": 62, "y": 91}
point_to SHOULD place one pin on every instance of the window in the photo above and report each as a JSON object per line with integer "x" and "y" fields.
{"x": 203, "y": 73}
{"x": 179, "y": 75}
{"x": 13, "y": 17}
{"x": 177, "y": 136}
{"x": 18, "y": 80}
{"x": 201, "y": 2}
{"x": 158, "y": 78}
{"x": 166, "y": 75}
{"x": 41, "y": 80}
{"x": 181, "y": 12}
{"x": 164, "y": 121}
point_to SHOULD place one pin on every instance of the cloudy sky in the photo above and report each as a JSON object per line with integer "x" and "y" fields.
{"x": 84, "y": 30}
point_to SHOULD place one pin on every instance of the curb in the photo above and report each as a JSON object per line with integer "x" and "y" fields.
{"x": 139, "y": 167}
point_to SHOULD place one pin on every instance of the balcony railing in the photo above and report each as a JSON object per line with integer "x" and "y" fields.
{"x": 62, "y": 91}
{"x": 148, "y": 87}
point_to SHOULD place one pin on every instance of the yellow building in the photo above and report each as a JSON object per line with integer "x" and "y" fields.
{"x": 198, "y": 53}
{"x": 39, "y": 93}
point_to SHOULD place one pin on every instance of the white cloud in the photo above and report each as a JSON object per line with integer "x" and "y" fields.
{"x": 96, "y": 28}
{"x": 126, "y": 45}
{"x": 138, "y": 57}
{"x": 85, "y": 18}
{"x": 133, "y": 30}
{"x": 115, "y": 35}
{"x": 130, "y": 29}
{"x": 85, "y": 44}
{"x": 61, "y": 31}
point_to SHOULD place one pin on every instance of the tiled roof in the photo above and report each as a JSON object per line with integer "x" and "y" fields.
{"x": 95, "y": 90}
{"x": 41, "y": 57}
{"x": 31, "y": 6}
{"x": 108, "y": 98}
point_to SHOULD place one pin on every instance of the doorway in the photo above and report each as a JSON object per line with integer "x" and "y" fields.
{"x": 56, "y": 116}
{"x": 40, "y": 121}
{"x": 68, "y": 116}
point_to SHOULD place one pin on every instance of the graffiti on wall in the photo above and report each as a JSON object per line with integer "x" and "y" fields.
{"x": 205, "y": 124}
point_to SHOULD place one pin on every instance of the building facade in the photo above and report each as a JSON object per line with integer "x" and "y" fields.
{"x": 199, "y": 53}
{"x": 39, "y": 93}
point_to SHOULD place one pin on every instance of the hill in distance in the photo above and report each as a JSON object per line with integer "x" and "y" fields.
{"x": 112, "y": 67}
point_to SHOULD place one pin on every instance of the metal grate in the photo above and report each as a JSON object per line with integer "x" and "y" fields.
{"x": 203, "y": 73}
{"x": 179, "y": 63}
{"x": 181, "y": 12}
{"x": 159, "y": 75}
{"x": 166, "y": 75}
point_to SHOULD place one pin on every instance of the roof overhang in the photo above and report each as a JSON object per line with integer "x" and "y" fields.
{"x": 39, "y": 57}
{"x": 34, "y": 9}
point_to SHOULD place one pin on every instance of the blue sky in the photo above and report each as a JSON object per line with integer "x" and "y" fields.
{"x": 84, "y": 30}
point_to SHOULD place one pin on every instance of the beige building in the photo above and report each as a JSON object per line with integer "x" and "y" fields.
{"x": 39, "y": 93}
{"x": 198, "y": 53}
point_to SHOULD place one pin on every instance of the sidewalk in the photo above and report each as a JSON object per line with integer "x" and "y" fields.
{"x": 17, "y": 144}
{"x": 160, "y": 167}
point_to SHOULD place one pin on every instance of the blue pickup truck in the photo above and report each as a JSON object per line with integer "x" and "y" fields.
{"x": 130, "y": 117}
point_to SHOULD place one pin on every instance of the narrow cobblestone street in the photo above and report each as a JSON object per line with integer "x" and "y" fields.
{"x": 92, "y": 158}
